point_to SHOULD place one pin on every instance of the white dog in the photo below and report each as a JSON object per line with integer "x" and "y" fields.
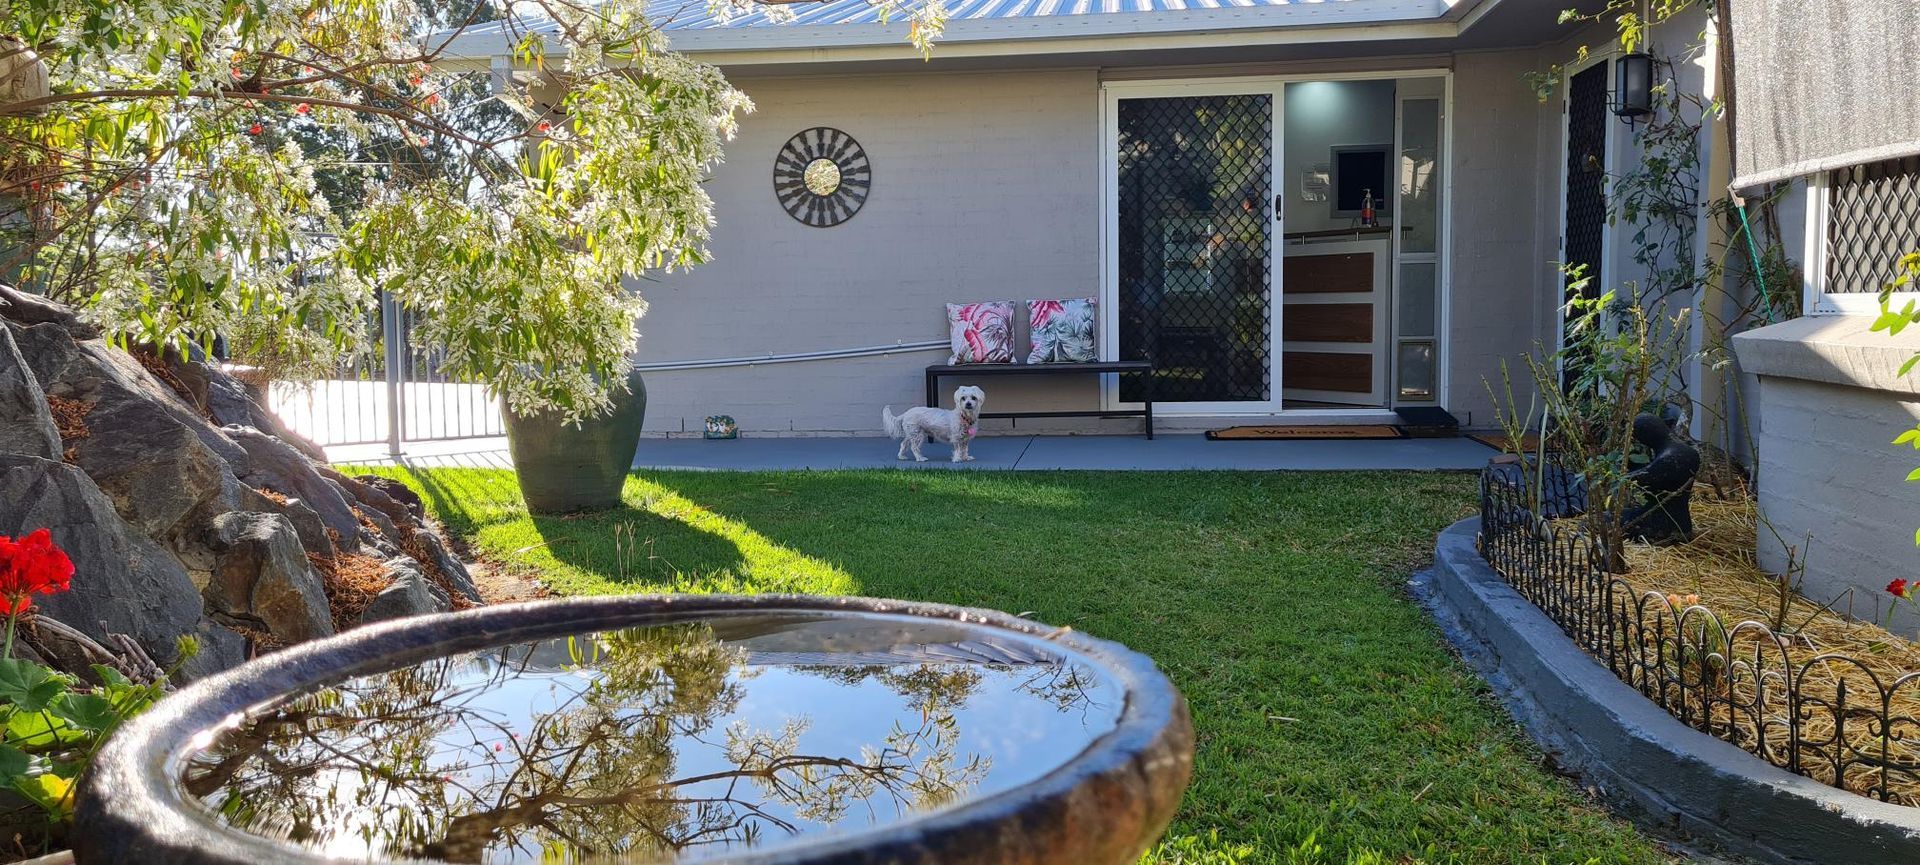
{"x": 957, "y": 427}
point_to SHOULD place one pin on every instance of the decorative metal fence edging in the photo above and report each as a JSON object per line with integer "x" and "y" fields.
{"x": 1824, "y": 715}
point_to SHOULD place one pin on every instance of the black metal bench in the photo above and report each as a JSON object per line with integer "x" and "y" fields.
{"x": 1138, "y": 367}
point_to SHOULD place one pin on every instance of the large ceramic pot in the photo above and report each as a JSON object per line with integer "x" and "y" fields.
{"x": 766, "y": 730}
{"x": 565, "y": 467}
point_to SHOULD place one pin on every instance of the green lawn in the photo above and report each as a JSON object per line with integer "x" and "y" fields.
{"x": 1333, "y": 724}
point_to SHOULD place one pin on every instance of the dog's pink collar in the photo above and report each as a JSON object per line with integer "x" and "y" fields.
{"x": 971, "y": 429}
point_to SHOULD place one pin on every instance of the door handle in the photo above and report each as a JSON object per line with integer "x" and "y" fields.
{"x": 1279, "y": 206}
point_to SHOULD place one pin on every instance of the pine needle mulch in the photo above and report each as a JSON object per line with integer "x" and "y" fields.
{"x": 351, "y": 581}
{"x": 1841, "y": 665}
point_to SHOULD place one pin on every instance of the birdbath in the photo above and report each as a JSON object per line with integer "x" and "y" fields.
{"x": 749, "y": 730}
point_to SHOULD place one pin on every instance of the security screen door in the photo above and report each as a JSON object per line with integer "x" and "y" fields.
{"x": 1191, "y": 228}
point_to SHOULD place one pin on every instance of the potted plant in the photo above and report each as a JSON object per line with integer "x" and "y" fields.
{"x": 580, "y": 465}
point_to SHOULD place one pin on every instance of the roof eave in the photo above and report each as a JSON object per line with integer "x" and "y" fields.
{"x": 1318, "y": 22}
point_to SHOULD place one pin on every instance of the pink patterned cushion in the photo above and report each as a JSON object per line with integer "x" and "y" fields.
{"x": 981, "y": 332}
{"x": 1061, "y": 331}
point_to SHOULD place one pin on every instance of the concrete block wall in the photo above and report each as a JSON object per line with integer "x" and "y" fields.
{"x": 1830, "y": 481}
{"x": 1505, "y": 213}
{"x": 985, "y": 187}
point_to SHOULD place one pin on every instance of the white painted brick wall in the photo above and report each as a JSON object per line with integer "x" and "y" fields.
{"x": 986, "y": 187}
{"x": 1832, "y": 485}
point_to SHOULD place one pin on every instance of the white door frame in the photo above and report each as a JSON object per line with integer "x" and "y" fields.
{"x": 1111, "y": 92}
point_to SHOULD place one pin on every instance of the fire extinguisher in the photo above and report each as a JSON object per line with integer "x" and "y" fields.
{"x": 1366, "y": 208}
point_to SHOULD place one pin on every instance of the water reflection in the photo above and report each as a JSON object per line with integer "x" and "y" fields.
{"x": 669, "y": 743}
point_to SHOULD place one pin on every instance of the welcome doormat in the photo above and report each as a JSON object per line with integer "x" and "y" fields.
{"x": 1303, "y": 433}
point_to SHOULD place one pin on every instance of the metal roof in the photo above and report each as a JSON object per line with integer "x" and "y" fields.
{"x": 698, "y": 15}
{"x": 692, "y": 25}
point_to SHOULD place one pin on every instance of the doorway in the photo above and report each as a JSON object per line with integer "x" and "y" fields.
{"x": 1273, "y": 246}
{"x": 1193, "y": 238}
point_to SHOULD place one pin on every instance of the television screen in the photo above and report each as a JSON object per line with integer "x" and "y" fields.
{"x": 1356, "y": 170}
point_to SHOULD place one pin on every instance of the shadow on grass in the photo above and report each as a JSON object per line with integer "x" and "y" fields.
{"x": 658, "y": 541}
{"x": 1333, "y": 721}
{"x": 628, "y": 545}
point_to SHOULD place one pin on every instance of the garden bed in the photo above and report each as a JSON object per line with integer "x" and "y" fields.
{"x": 1728, "y": 649}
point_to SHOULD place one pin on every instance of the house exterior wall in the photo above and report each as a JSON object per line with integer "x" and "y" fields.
{"x": 1830, "y": 484}
{"x": 1504, "y": 231}
{"x": 987, "y": 187}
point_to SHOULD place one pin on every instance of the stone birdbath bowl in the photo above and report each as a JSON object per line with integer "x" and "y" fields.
{"x": 747, "y": 730}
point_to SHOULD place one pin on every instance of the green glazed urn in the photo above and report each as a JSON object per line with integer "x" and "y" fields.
{"x": 565, "y": 468}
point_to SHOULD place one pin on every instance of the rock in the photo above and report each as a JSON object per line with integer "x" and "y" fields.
{"x": 262, "y": 575}
{"x": 123, "y": 582}
{"x": 145, "y": 449}
{"x": 231, "y": 402}
{"x": 273, "y": 464}
{"x": 313, "y": 532}
{"x": 450, "y": 565}
{"x": 399, "y": 512}
{"x": 399, "y": 492}
{"x": 23, "y": 308}
{"x": 223, "y": 398}
{"x": 409, "y": 594}
{"x": 188, "y": 508}
{"x": 25, "y": 424}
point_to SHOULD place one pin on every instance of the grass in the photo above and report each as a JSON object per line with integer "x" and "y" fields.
{"x": 1333, "y": 724}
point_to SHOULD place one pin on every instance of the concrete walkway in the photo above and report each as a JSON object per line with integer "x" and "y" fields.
{"x": 1018, "y": 453}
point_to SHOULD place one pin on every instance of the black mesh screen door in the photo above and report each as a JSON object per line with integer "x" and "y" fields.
{"x": 1193, "y": 269}
{"x": 1584, "y": 212}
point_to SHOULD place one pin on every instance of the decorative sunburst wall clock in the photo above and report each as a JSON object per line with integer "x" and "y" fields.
{"x": 822, "y": 176}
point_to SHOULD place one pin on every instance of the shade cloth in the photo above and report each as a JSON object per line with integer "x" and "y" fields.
{"x": 1823, "y": 84}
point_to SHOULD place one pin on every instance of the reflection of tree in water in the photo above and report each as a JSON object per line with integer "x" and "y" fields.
{"x": 420, "y": 762}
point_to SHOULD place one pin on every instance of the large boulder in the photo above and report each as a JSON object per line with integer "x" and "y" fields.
{"x": 261, "y": 576}
{"x": 144, "y": 447}
{"x": 274, "y": 465}
{"x": 189, "y": 510}
{"x": 26, "y": 426}
{"x": 123, "y": 582}
{"x": 408, "y": 593}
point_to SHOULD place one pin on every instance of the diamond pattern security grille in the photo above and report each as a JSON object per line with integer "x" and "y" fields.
{"x": 1586, "y": 205}
{"x": 1873, "y": 218}
{"x": 1195, "y": 236}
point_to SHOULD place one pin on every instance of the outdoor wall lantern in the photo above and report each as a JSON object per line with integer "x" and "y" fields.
{"x": 1633, "y": 86}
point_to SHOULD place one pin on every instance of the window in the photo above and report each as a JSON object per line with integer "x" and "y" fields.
{"x": 1860, "y": 221}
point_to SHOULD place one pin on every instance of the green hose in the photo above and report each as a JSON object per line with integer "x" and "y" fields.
{"x": 1759, "y": 272}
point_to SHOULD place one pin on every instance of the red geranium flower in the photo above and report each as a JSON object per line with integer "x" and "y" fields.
{"x": 255, "y": 129}
{"x": 1897, "y": 588}
{"x": 542, "y": 126}
{"x": 28, "y": 566}
{"x": 302, "y": 108}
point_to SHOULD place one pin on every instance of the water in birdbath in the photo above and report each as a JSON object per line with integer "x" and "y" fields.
{"x": 667, "y": 743}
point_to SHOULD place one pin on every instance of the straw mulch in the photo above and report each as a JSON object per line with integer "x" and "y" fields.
{"x": 1739, "y": 692}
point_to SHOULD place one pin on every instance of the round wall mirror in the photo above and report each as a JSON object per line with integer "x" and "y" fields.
{"x": 821, "y": 176}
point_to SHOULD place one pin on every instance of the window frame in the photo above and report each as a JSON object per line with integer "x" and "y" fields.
{"x": 1813, "y": 262}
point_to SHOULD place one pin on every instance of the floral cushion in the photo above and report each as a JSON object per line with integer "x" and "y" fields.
{"x": 981, "y": 332}
{"x": 1061, "y": 331}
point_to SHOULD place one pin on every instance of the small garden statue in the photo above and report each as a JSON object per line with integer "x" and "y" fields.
{"x": 1663, "y": 517}
{"x": 722, "y": 426}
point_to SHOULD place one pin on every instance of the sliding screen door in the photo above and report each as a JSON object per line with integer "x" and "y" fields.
{"x": 1192, "y": 232}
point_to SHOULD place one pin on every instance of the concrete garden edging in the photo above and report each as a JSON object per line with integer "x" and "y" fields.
{"x": 1641, "y": 759}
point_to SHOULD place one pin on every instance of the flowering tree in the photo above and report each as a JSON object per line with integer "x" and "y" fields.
{"x": 176, "y": 168}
